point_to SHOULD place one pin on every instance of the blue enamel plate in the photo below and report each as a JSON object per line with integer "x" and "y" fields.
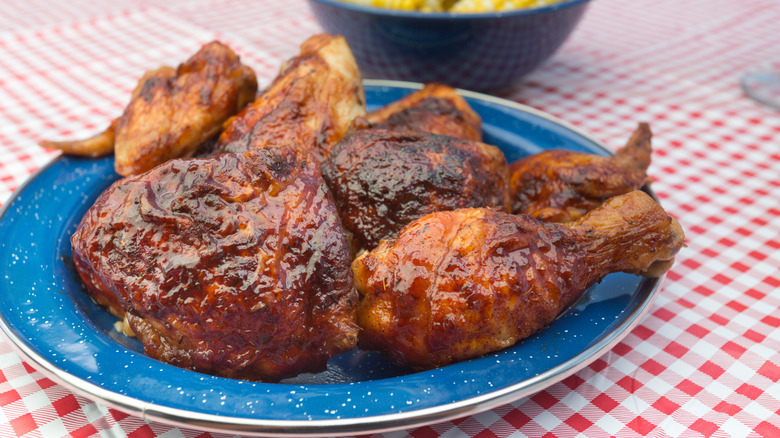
{"x": 48, "y": 317}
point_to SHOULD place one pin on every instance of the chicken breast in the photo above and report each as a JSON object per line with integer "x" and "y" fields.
{"x": 311, "y": 103}
{"x": 235, "y": 266}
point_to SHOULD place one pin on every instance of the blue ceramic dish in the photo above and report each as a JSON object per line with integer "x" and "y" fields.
{"x": 470, "y": 51}
{"x": 48, "y": 317}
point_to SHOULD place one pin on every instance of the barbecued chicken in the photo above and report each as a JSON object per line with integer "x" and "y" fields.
{"x": 459, "y": 284}
{"x": 561, "y": 185}
{"x": 234, "y": 265}
{"x": 311, "y": 103}
{"x": 382, "y": 180}
{"x": 435, "y": 108}
{"x": 172, "y": 111}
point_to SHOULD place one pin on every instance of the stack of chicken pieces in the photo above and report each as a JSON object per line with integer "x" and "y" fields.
{"x": 255, "y": 236}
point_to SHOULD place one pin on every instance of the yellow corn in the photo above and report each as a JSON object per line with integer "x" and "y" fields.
{"x": 410, "y": 5}
{"x": 520, "y": 4}
{"x": 433, "y": 5}
{"x": 464, "y": 6}
{"x": 475, "y": 6}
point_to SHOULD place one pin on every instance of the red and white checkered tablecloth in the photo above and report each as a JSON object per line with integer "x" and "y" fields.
{"x": 705, "y": 361}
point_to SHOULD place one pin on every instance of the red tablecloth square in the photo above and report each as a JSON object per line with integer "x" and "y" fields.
{"x": 66, "y": 405}
{"x": 733, "y": 349}
{"x": 771, "y": 371}
{"x": 706, "y": 428}
{"x": 665, "y": 405}
{"x": 768, "y": 430}
{"x": 23, "y": 424}
{"x": 749, "y": 391}
{"x": 641, "y": 426}
{"x": 690, "y": 388}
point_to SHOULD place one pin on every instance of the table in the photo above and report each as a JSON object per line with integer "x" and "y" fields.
{"x": 705, "y": 360}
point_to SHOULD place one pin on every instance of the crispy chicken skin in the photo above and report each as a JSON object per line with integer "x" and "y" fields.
{"x": 235, "y": 265}
{"x": 311, "y": 103}
{"x": 459, "y": 284}
{"x": 561, "y": 186}
{"x": 173, "y": 111}
{"x": 435, "y": 108}
{"x": 381, "y": 180}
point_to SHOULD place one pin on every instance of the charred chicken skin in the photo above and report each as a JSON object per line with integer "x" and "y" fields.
{"x": 311, "y": 103}
{"x": 382, "y": 180}
{"x": 235, "y": 265}
{"x": 459, "y": 284}
{"x": 561, "y": 185}
{"x": 173, "y": 111}
{"x": 435, "y": 108}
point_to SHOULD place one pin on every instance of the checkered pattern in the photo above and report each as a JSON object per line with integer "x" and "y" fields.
{"x": 704, "y": 361}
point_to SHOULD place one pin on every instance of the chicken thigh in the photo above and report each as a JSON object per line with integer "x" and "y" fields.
{"x": 234, "y": 265}
{"x": 381, "y": 180}
{"x": 173, "y": 111}
{"x": 561, "y": 185}
{"x": 311, "y": 103}
{"x": 435, "y": 108}
{"x": 459, "y": 284}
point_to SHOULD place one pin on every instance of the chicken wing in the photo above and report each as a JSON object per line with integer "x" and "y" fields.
{"x": 435, "y": 108}
{"x": 561, "y": 186}
{"x": 311, "y": 103}
{"x": 234, "y": 265}
{"x": 382, "y": 180}
{"x": 99, "y": 145}
{"x": 172, "y": 111}
{"x": 459, "y": 284}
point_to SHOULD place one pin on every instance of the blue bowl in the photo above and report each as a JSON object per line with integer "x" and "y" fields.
{"x": 480, "y": 52}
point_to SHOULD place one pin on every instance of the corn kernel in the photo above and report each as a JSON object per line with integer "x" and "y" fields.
{"x": 475, "y": 6}
{"x": 433, "y": 5}
{"x": 409, "y": 5}
{"x": 463, "y": 6}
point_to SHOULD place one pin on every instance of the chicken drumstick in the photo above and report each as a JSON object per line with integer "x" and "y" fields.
{"x": 459, "y": 284}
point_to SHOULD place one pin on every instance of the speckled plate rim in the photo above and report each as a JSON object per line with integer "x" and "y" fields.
{"x": 353, "y": 425}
